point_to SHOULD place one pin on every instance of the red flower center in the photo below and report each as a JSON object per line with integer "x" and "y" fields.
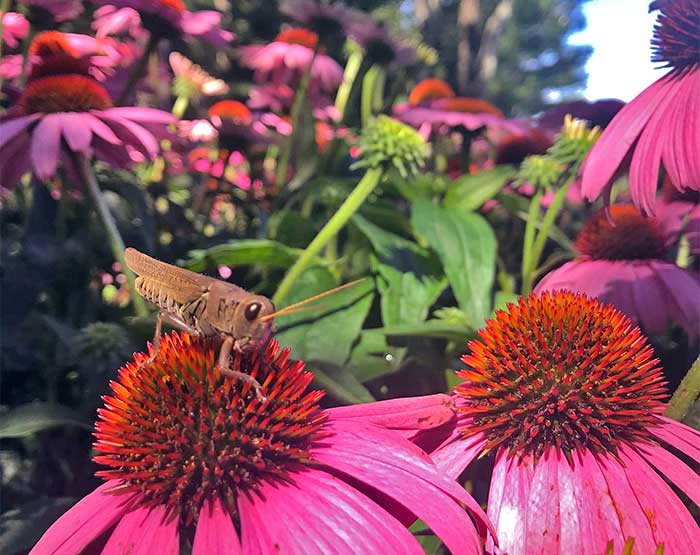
{"x": 304, "y": 37}
{"x": 179, "y": 433}
{"x": 51, "y": 43}
{"x": 514, "y": 148}
{"x": 231, "y": 110}
{"x": 430, "y": 89}
{"x": 64, "y": 93}
{"x": 175, "y": 5}
{"x": 630, "y": 236}
{"x": 52, "y": 54}
{"x": 472, "y": 106}
{"x": 676, "y": 38}
{"x": 560, "y": 371}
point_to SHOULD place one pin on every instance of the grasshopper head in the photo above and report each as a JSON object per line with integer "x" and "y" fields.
{"x": 250, "y": 327}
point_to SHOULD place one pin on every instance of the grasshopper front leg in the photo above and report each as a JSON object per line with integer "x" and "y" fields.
{"x": 156, "y": 344}
{"x": 223, "y": 367}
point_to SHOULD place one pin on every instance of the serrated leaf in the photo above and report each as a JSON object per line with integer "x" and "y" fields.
{"x": 466, "y": 245}
{"x": 30, "y": 418}
{"x": 244, "y": 252}
{"x": 469, "y": 192}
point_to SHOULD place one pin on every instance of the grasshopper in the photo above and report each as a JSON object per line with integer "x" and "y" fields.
{"x": 208, "y": 307}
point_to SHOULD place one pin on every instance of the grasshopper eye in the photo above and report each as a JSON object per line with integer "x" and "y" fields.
{"x": 252, "y": 311}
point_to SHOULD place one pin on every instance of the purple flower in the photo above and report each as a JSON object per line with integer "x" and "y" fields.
{"x": 46, "y": 12}
{"x": 622, "y": 263}
{"x": 661, "y": 126}
{"x": 14, "y": 28}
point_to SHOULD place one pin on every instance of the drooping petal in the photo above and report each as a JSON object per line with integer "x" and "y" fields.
{"x": 674, "y": 469}
{"x": 133, "y": 134}
{"x": 508, "y": 497}
{"x": 77, "y": 134}
{"x": 319, "y": 514}
{"x": 551, "y": 528}
{"x": 684, "y": 438}
{"x": 682, "y": 295}
{"x": 144, "y": 531}
{"x": 406, "y": 415}
{"x": 453, "y": 457}
{"x": 215, "y": 534}
{"x": 405, "y": 474}
{"x": 9, "y": 129}
{"x": 142, "y": 115}
{"x": 85, "y": 521}
{"x": 15, "y": 161}
{"x": 46, "y": 146}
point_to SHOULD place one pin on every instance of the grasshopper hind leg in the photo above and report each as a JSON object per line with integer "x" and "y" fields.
{"x": 223, "y": 367}
{"x": 156, "y": 344}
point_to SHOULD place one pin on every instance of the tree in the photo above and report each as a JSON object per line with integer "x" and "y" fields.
{"x": 511, "y": 52}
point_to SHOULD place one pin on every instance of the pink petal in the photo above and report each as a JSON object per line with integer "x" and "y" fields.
{"x": 546, "y": 523}
{"x": 85, "y": 521}
{"x": 215, "y": 534}
{"x": 406, "y": 415}
{"x": 142, "y": 115}
{"x": 674, "y": 469}
{"x": 133, "y": 134}
{"x": 101, "y": 129}
{"x": 671, "y": 522}
{"x": 455, "y": 456}
{"x": 508, "y": 498}
{"x": 9, "y": 129}
{"x": 46, "y": 146}
{"x": 15, "y": 161}
{"x": 682, "y": 437}
{"x": 197, "y": 23}
{"x": 404, "y": 473}
{"x": 682, "y": 295}
{"x": 78, "y": 135}
{"x": 622, "y": 132}
{"x": 144, "y": 531}
{"x": 318, "y": 514}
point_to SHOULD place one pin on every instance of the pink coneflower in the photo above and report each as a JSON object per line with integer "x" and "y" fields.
{"x": 14, "y": 28}
{"x": 221, "y": 165}
{"x": 661, "y": 126}
{"x": 432, "y": 102}
{"x": 598, "y": 114}
{"x": 60, "y": 116}
{"x": 110, "y": 20}
{"x": 286, "y": 58}
{"x": 566, "y": 394}
{"x": 197, "y": 459}
{"x": 328, "y": 20}
{"x": 44, "y": 13}
{"x": 164, "y": 18}
{"x": 378, "y": 44}
{"x": 622, "y": 262}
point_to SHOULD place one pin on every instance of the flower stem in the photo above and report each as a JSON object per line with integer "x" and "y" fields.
{"x": 372, "y": 92}
{"x": 346, "y": 210}
{"x": 139, "y": 69}
{"x": 686, "y": 394}
{"x": 530, "y": 228}
{"x": 87, "y": 175}
{"x": 180, "y": 106}
{"x": 299, "y": 99}
{"x": 352, "y": 68}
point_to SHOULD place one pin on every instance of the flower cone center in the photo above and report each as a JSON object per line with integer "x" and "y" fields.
{"x": 304, "y": 37}
{"x": 174, "y": 5}
{"x": 625, "y": 235}
{"x": 471, "y": 106}
{"x": 179, "y": 433}
{"x": 232, "y": 111}
{"x": 560, "y": 371}
{"x": 64, "y": 93}
{"x": 430, "y": 89}
{"x": 676, "y": 39}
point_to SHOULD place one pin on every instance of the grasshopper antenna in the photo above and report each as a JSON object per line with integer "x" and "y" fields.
{"x": 299, "y": 306}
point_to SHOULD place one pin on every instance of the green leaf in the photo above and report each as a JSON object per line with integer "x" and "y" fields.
{"x": 328, "y": 333}
{"x": 469, "y": 192}
{"x": 290, "y": 228}
{"x": 373, "y": 357}
{"x": 410, "y": 278}
{"x": 244, "y": 252}
{"x": 466, "y": 245}
{"x": 503, "y": 299}
{"x": 429, "y": 328}
{"x": 30, "y": 418}
{"x": 340, "y": 383}
{"x": 23, "y": 526}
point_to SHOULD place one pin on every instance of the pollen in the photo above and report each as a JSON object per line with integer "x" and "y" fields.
{"x": 180, "y": 433}
{"x": 232, "y": 111}
{"x": 472, "y": 106}
{"x": 564, "y": 372}
{"x": 625, "y": 235}
{"x": 64, "y": 93}
{"x": 296, "y": 35}
{"x": 430, "y": 89}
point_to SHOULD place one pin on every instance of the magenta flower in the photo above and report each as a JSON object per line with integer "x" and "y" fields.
{"x": 566, "y": 396}
{"x": 60, "y": 116}
{"x": 163, "y": 18}
{"x": 14, "y": 28}
{"x": 286, "y": 58}
{"x": 196, "y": 458}
{"x": 110, "y": 20}
{"x": 328, "y": 20}
{"x": 45, "y": 13}
{"x": 622, "y": 262}
{"x": 661, "y": 126}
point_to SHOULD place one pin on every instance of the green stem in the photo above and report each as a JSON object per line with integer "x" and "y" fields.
{"x": 139, "y": 69}
{"x": 352, "y": 68}
{"x": 25, "y": 55}
{"x": 686, "y": 394}
{"x": 299, "y": 100}
{"x": 530, "y": 228}
{"x": 372, "y": 92}
{"x": 180, "y": 105}
{"x": 352, "y": 203}
{"x": 87, "y": 175}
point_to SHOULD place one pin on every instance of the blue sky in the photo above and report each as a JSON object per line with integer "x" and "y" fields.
{"x": 619, "y": 31}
